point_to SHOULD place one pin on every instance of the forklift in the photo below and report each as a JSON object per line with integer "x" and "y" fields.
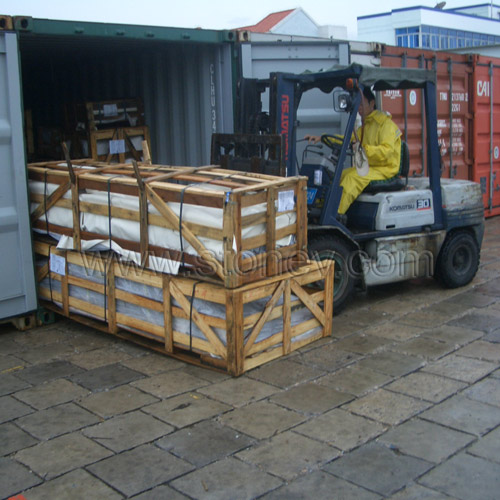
{"x": 397, "y": 229}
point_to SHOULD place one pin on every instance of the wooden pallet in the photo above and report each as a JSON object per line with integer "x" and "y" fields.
{"x": 242, "y": 260}
{"x": 116, "y": 145}
{"x": 229, "y": 336}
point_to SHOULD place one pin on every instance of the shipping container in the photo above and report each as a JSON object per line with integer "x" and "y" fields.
{"x": 184, "y": 78}
{"x": 468, "y": 108}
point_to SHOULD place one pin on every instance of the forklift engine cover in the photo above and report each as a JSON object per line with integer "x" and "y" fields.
{"x": 392, "y": 210}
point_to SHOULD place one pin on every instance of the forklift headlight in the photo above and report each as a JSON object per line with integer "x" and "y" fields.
{"x": 342, "y": 101}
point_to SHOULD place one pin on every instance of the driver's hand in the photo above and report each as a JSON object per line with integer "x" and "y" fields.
{"x": 312, "y": 139}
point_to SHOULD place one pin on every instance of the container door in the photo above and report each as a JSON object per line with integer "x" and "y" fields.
{"x": 487, "y": 131}
{"x": 17, "y": 286}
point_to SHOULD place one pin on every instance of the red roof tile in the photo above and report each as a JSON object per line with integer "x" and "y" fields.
{"x": 268, "y": 22}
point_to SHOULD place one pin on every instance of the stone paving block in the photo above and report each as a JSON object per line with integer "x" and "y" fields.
{"x": 153, "y": 364}
{"x": 204, "y": 443}
{"x": 362, "y": 343}
{"x": 394, "y": 331}
{"x": 425, "y": 440}
{"x": 311, "y": 398}
{"x": 453, "y": 334}
{"x": 9, "y": 384}
{"x": 288, "y": 455}
{"x": 227, "y": 479}
{"x": 140, "y": 469}
{"x": 355, "y": 379}
{"x": 169, "y": 384}
{"x": 460, "y": 368}
{"x": 261, "y": 420}
{"x": 46, "y": 353}
{"x": 286, "y": 372}
{"x": 318, "y": 485}
{"x": 387, "y": 407}
{"x": 127, "y": 431}
{"x": 477, "y": 321}
{"x": 378, "y": 469}
{"x": 491, "y": 288}
{"x": 51, "y": 393}
{"x": 487, "y": 446}
{"x": 41, "y": 336}
{"x": 486, "y": 391}
{"x": 116, "y": 401}
{"x": 465, "y": 477}
{"x": 326, "y": 358}
{"x": 368, "y": 316}
{"x": 472, "y": 298}
{"x": 417, "y": 492}
{"x": 15, "y": 477}
{"x": 106, "y": 377}
{"x": 44, "y": 372}
{"x": 492, "y": 337}
{"x": 14, "y": 439}
{"x": 62, "y": 454}
{"x": 238, "y": 391}
{"x": 426, "y": 386}
{"x": 424, "y": 347}
{"x": 486, "y": 351}
{"x": 392, "y": 363}
{"x": 47, "y": 424}
{"x": 77, "y": 485}
{"x": 464, "y": 414}
{"x": 341, "y": 429}
{"x": 9, "y": 364}
{"x": 423, "y": 319}
{"x": 186, "y": 409}
{"x": 8, "y": 345}
{"x": 10, "y": 409}
{"x": 96, "y": 358}
{"x": 161, "y": 492}
{"x": 205, "y": 373}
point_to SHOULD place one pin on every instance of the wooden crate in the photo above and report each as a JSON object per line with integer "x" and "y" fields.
{"x": 240, "y": 201}
{"x": 98, "y": 115}
{"x": 116, "y": 145}
{"x": 204, "y": 323}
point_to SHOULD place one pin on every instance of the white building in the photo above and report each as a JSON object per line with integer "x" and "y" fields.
{"x": 295, "y": 22}
{"x": 433, "y": 28}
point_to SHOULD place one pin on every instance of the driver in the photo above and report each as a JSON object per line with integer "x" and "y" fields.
{"x": 381, "y": 140}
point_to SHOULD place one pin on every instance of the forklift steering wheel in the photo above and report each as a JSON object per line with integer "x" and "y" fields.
{"x": 334, "y": 142}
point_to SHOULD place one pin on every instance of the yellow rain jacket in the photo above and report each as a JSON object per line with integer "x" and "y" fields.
{"x": 381, "y": 139}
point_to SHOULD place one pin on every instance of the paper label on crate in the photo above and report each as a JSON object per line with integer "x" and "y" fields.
{"x": 57, "y": 264}
{"x": 117, "y": 146}
{"x": 285, "y": 201}
{"x": 110, "y": 110}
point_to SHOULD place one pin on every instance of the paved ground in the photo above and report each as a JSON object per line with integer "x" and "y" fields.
{"x": 403, "y": 402}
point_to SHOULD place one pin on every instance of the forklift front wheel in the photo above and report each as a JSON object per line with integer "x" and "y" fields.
{"x": 334, "y": 248}
{"x": 458, "y": 260}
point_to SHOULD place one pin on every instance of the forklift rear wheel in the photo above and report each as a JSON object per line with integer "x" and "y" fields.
{"x": 458, "y": 260}
{"x": 334, "y": 248}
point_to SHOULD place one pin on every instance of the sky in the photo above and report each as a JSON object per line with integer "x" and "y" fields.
{"x": 209, "y": 14}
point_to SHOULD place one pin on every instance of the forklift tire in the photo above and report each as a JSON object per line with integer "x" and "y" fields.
{"x": 458, "y": 260}
{"x": 334, "y": 248}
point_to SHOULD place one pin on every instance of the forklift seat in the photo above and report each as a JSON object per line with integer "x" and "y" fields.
{"x": 399, "y": 181}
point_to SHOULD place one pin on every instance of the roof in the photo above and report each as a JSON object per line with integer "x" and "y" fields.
{"x": 267, "y": 24}
{"x": 379, "y": 78}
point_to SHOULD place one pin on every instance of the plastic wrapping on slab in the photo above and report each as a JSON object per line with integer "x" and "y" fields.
{"x": 158, "y": 236}
{"x": 203, "y": 307}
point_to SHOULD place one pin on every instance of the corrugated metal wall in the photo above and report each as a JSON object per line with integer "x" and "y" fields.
{"x": 186, "y": 88}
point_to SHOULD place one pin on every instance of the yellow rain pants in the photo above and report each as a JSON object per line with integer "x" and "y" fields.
{"x": 381, "y": 139}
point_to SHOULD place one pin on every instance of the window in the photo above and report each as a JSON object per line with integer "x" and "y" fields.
{"x": 442, "y": 38}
